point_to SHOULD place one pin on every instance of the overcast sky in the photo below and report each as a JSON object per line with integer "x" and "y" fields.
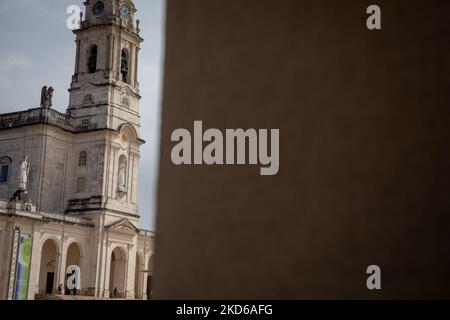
{"x": 37, "y": 49}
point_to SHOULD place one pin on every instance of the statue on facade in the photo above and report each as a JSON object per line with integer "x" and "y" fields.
{"x": 24, "y": 171}
{"x": 46, "y": 97}
{"x": 122, "y": 181}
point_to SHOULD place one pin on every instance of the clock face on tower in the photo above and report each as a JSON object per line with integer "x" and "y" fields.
{"x": 98, "y": 8}
{"x": 124, "y": 11}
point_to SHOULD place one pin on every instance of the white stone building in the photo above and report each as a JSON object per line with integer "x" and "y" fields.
{"x": 75, "y": 196}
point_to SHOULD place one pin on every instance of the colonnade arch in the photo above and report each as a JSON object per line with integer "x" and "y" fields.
{"x": 118, "y": 273}
{"x": 50, "y": 252}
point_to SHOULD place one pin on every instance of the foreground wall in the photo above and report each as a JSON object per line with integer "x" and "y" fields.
{"x": 364, "y": 165}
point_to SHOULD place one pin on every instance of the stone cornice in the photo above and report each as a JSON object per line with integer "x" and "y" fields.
{"x": 49, "y": 117}
{"x": 109, "y": 22}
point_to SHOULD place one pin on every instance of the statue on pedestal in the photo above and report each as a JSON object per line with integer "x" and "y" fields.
{"x": 24, "y": 171}
{"x": 21, "y": 194}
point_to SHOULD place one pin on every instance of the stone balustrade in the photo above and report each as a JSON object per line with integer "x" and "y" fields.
{"x": 43, "y": 116}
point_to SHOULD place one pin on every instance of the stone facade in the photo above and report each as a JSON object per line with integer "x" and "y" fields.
{"x": 80, "y": 202}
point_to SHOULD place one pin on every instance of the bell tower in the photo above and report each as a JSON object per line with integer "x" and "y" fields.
{"x": 104, "y": 112}
{"x": 104, "y": 93}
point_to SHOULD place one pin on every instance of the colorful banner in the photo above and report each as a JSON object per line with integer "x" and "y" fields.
{"x": 23, "y": 268}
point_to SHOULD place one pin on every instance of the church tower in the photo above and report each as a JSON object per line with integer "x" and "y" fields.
{"x": 104, "y": 92}
{"x": 104, "y": 107}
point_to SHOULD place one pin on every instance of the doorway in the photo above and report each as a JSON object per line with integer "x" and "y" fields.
{"x": 49, "y": 283}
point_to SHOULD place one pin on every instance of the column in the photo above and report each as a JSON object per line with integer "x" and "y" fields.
{"x": 113, "y": 56}
{"x": 107, "y": 272}
{"x": 130, "y": 270}
{"x": 77, "y": 58}
{"x": 136, "y": 58}
{"x": 132, "y": 65}
{"x": 142, "y": 279}
{"x": 118, "y": 57}
{"x": 62, "y": 269}
{"x": 144, "y": 284}
{"x": 130, "y": 176}
{"x": 98, "y": 260}
{"x": 108, "y": 60}
{"x": 84, "y": 287}
{"x": 58, "y": 271}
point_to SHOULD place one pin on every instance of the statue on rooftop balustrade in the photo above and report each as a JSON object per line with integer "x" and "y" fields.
{"x": 46, "y": 97}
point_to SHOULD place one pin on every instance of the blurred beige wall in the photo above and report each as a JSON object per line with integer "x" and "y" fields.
{"x": 364, "y": 160}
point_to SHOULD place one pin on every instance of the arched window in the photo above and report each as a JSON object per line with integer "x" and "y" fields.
{"x": 5, "y": 162}
{"x": 92, "y": 61}
{"x": 82, "y": 159}
{"x": 124, "y": 66}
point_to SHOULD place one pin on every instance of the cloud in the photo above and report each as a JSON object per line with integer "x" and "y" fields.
{"x": 13, "y": 61}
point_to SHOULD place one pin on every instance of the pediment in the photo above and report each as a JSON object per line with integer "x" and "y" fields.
{"x": 87, "y": 86}
{"x": 123, "y": 225}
